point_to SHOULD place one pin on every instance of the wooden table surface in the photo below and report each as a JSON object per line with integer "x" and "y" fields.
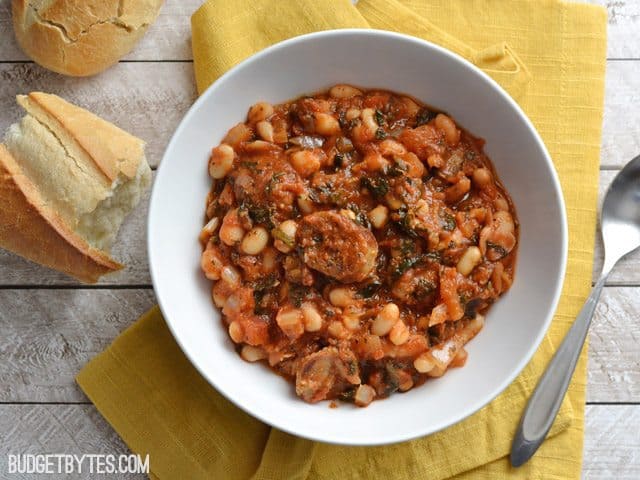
{"x": 50, "y": 325}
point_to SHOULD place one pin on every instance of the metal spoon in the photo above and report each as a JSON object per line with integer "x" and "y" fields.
{"x": 620, "y": 227}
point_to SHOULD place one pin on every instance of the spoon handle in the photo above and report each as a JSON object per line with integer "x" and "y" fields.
{"x": 545, "y": 402}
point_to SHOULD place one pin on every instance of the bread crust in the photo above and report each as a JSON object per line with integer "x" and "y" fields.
{"x": 113, "y": 150}
{"x": 35, "y": 231}
{"x": 64, "y": 37}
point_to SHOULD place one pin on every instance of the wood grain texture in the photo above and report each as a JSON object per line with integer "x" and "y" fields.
{"x": 621, "y": 125}
{"x": 130, "y": 249}
{"x": 47, "y": 336}
{"x": 612, "y": 446}
{"x": 146, "y": 99}
{"x": 614, "y": 347}
{"x": 169, "y": 38}
{"x": 50, "y": 429}
{"x": 624, "y": 24}
{"x": 612, "y": 443}
{"x": 152, "y": 110}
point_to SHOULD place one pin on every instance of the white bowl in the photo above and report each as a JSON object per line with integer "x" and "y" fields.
{"x": 515, "y": 324}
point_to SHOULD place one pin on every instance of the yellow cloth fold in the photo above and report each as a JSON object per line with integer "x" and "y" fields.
{"x": 158, "y": 403}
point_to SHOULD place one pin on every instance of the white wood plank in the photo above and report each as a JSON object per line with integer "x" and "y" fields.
{"x": 49, "y": 335}
{"x": 614, "y": 347}
{"x": 627, "y": 272}
{"x": 624, "y": 23}
{"x": 621, "y": 125}
{"x": 146, "y": 99}
{"x": 150, "y": 99}
{"x": 169, "y": 38}
{"x": 612, "y": 443}
{"x": 611, "y": 451}
{"x": 130, "y": 249}
{"x": 51, "y": 429}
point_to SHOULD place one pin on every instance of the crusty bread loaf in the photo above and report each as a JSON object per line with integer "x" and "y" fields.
{"x": 67, "y": 180}
{"x": 81, "y": 37}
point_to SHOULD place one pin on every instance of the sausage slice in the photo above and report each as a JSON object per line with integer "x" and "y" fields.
{"x": 337, "y": 246}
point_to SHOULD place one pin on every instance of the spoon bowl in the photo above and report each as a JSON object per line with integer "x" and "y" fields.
{"x": 620, "y": 220}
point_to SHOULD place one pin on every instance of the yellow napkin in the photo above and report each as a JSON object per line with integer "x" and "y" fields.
{"x": 158, "y": 403}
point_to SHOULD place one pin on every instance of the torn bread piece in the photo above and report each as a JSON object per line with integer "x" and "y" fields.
{"x": 75, "y": 172}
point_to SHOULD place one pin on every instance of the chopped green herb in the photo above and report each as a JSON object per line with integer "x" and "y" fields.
{"x": 381, "y": 134}
{"x": 424, "y": 116}
{"x": 261, "y": 215}
{"x": 433, "y": 256}
{"x": 404, "y": 223}
{"x": 369, "y": 290}
{"x": 379, "y": 187}
{"x": 361, "y": 217}
{"x": 379, "y": 117}
{"x": 497, "y": 248}
{"x": 406, "y": 264}
{"x": 424, "y": 288}
{"x": 348, "y": 395}
{"x": 297, "y": 294}
{"x": 249, "y": 165}
{"x": 266, "y": 283}
{"x": 275, "y": 178}
{"x": 396, "y": 170}
{"x": 448, "y": 221}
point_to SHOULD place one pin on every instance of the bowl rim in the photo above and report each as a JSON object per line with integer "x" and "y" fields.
{"x": 397, "y": 437}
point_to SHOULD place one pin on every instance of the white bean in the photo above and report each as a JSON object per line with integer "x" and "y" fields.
{"x": 209, "y": 229}
{"x": 285, "y": 236}
{"x": 424, "y": 363}
{"x": 368, "y": 119}
{"x": 385, "y": 320}
{"x": 336, "y": 329}
{"x": 305, "y": 162}
{"x": 399, "y": 333}
{"x": 344, "y": 91}
{"x": 255, "y": 241}
{"x": 230, "y": 275}
{"x": 218, "y": 299}
{"x": 351, "y": 322}
{"x": 221, "y": 161}
{"x": 236, "y": 332}
{"x": 290, "y": 321}
{"x": 352, "y": 114}
{"x": 341, "y": 297}
{"x": 252, "y": 354}
{"x": 364, "y": 395}
{"x": 231, "y": 232}
{"x": 305, "y": 204}
{"x": 260, "y": 111}
{"x": 481, "y": 177}
{"x": 265, "y": 130}
{"x": 326, "y": 124}
{"x": 379, "y": 216}
{"x": 448, "y": 126}
{"x": 469, "y": 260}
{"x": 312, "y": 318}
